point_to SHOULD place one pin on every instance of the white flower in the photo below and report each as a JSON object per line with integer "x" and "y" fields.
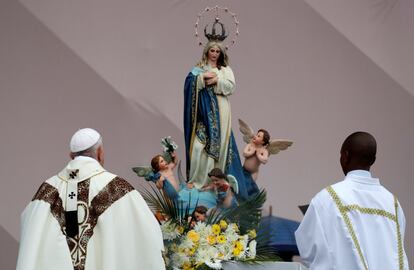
{"x": 186, "y": 243}
{"x": 168, "y": 144}
{"x": 202, "y": 255}
{"x": 231, "y": 234}
{"x": 227, "y": 251}
{"x": 202, "y": 229}
{"x": 206, "y": 253}
{"x": 178, "y": 259}
{"x": 214, "y": 264}
{"x": 169, "y": 230}
{"x": 252, "y": 249}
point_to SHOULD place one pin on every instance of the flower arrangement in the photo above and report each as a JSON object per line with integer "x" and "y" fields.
{"x": 225, "y": 235}
{"x": 206, "y": 244}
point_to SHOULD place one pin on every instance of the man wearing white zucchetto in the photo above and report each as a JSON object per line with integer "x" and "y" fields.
{"x": 86, "y": 218}
{"x": 356, "y": 223}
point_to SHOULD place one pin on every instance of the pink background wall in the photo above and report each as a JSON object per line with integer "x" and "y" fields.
{"x": 303, "y": 69}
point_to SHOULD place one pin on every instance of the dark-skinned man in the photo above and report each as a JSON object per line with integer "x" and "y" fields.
{"x": 356, "y": 223}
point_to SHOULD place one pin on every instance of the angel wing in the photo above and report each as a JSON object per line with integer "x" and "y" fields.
{"x": 233, "y": 183}
{"x": 277, "y": 145}
{"x": 143, "y": 171}
{"x": 246, "y": 130}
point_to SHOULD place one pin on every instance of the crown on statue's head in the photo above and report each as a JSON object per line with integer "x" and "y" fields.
{"x": 213, "y": 34}
{"x": 217, "y": 32}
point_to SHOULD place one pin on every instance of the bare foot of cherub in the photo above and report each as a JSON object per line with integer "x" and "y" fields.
{"x": 190, "y": 185}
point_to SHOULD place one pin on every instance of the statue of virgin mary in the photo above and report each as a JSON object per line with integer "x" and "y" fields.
{"x": 208, "y": 135}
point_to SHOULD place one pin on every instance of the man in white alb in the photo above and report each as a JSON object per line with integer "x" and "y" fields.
{"x": 85, "y": 218}
{"x": 356, "y": 223}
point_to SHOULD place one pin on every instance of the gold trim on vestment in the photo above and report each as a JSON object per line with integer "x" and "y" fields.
{"x": 344, "y": 209}
{"x": 400, "y": 244}
{"x": 348, "y": 223}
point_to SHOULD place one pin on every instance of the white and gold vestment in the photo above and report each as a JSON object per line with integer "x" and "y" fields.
{"x": 117, "y": 230}
{"x": 354, "y": 224}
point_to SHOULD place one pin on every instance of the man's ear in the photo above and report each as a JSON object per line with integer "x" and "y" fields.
{"x": 373, "y": 161}
{"x": 100, "y": 154}
{"x": 346, "y": 157}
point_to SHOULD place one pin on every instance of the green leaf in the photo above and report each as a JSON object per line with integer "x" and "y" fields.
{"x": 247, "y": 215}
{"x": 159, "y": 201}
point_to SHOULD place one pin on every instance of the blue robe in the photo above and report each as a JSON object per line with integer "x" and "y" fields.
{"x": 202, "y": 120}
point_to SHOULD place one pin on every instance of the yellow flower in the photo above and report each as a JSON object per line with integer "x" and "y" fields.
{"x": 216, "y": 229}
{"x": 211, "y": 239}
{"x": 174, "y": 247}
{"x": 187, "y": 266}
{"x": 180, "y": 229}
{"x": 193, "y": 236}
{"x": 236, "y": 229}
{"x": 223, "y": 224}
{"x": 252, "y": 233}
{"x": 238, "y": 245}
{"x": 221, "y": 239}
{"x": 193, "y": 250}
{"x": 236, "y": 252}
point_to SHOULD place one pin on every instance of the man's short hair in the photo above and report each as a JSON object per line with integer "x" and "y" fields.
{"x": 362, "y": 147}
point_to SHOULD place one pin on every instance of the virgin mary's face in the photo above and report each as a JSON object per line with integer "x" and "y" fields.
{"x": 213, "y": 54}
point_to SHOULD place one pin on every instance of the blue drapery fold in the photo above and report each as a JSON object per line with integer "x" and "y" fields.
{"x": 247, "y": 186}
{"x": 202, "y": 118}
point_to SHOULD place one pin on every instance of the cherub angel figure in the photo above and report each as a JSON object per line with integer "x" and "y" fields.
{"x": 225, "y": 187}
{"x": 259, "y": 147}
{"x": 161, "y": 171}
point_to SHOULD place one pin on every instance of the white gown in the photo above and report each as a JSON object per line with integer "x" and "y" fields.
{"x": 117, "y": 230}
{"x": 201, "y": 162}
{"x": 368, "y": 232}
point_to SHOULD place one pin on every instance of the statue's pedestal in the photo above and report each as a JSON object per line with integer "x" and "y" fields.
{"x": 265, "y": 266}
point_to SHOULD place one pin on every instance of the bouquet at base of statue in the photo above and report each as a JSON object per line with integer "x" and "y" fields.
{"x": 199, "y": 238}
{"x": 206, "y": 246}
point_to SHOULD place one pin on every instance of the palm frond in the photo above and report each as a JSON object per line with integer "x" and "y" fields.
{"x": 264, "y": 237}
{"x": 267, "y": 253}
{"x": 262, "y": 258}
{"x": 203, "y": 267}
{"x": 159, "y": 201}
{"x": 247, "y": 215}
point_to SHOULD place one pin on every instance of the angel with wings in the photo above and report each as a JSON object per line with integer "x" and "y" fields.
{"x": 224, "y": 186}
{"x": 259, "y": 147}
{"x": 161, "y": 171}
